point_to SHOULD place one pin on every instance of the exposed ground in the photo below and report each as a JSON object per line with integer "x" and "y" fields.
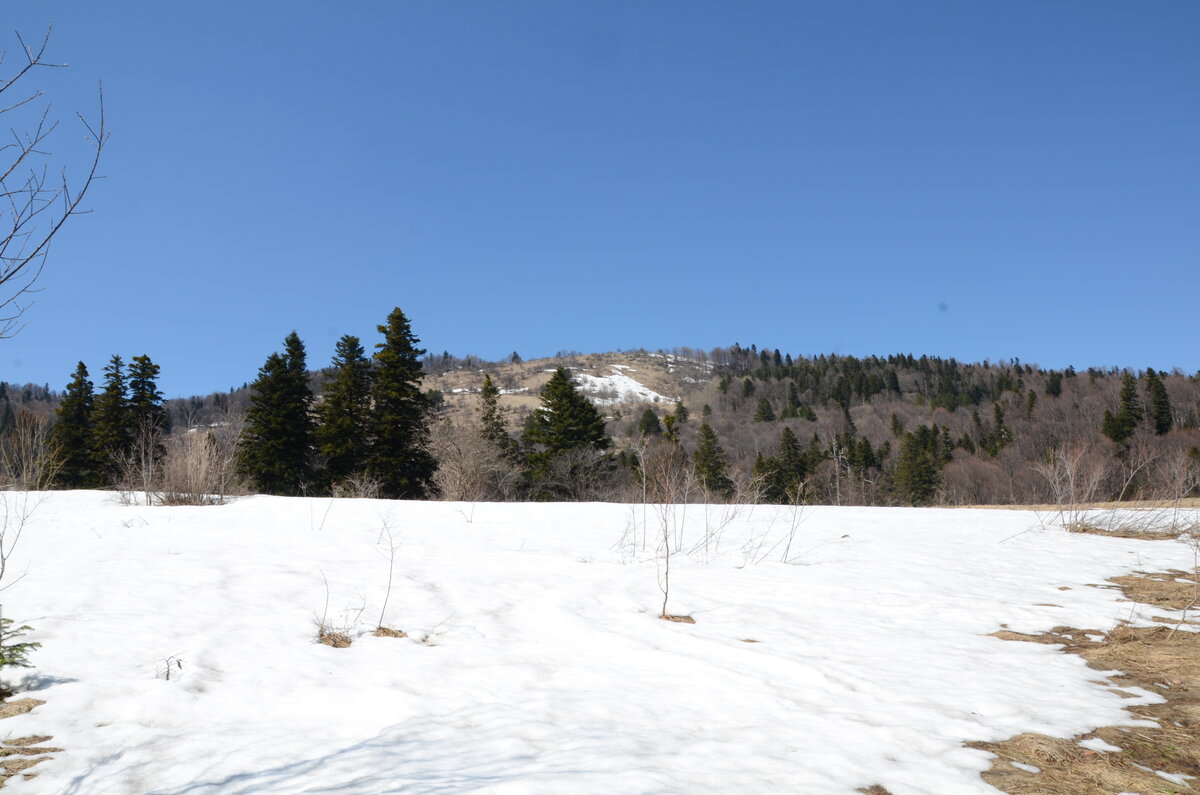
{"x": 1162, "y": 753}
{"x": 20, "y": 754}
{"x": 521, "y": 383}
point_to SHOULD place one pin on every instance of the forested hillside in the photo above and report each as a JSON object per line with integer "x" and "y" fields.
{"x": 745, "y": 424}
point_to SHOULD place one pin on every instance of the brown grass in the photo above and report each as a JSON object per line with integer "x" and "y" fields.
{"x": 388, "y": 632}
{"x": 18, "y": 707}
{"x": 1125, "y": 532}
{"x": 1186, "y": 502}
{"x": 1158, "y": 659}
{"x": 338, "y": 640}
{"x": 678, "y": 619}
{"x": 874, "y": 789}
{"x": 22, "y": 753}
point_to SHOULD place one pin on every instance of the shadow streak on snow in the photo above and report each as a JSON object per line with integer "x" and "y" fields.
{"x": 35, "y": 682}
{"x": 391, "y": 761}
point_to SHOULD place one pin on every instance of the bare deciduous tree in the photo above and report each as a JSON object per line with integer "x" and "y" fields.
{"x": 36, "y": 198}
{"x": 27, "y": 453}
{"x": 470, "y": 467}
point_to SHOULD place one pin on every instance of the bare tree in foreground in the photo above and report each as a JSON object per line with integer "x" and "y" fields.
{"x": 36, "y": 198}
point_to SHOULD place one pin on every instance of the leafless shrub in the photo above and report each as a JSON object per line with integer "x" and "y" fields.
{"x": 199, "y": 467}
{"x": 470, "y": 467}
{"x": 139, "y": 469}
{"x": 361, "y": 486}
{"x": 27, "y": 453}
{"x": 1074, "y": 475}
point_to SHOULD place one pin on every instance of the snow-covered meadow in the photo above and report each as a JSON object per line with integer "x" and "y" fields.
{"x": 536, "y": 660}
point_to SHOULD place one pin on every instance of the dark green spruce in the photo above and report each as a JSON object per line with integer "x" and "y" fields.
{"x": 344, "y": 414}
{"x": 400, "y": 458}
{"x": 277, "y": 444}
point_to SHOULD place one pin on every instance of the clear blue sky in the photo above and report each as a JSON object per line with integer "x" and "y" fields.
{"x": 966, "y": 179}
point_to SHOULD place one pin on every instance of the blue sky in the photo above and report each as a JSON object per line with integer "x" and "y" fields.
{"x": 967, "y": 179}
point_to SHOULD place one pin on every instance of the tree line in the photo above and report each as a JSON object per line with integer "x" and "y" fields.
{"x": 771, "y": 428}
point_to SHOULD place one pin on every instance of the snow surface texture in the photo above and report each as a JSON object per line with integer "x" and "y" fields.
{"x": 536, "y": 661}
{"x": 609, "y": 390}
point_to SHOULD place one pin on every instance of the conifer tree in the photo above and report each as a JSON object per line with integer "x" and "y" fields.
{"x": 763, "y": 411}
{"x": 277, "y": 444}
{"x": 1119, "y": 426}
{"x": 400, "y": 458}
{"x": 681, "y": 412}
{"x": 344, "y": 413}
{"x": 491, "y": 419}
{"x": 146, "y": 409}
{"x": 565, "y": 423}
{"x": 1160, "y": 403}
{"x": 112, "y": 435}
{"x": 649, "y": 425}
{"x": 1054, "y": 383}
{"x": 72, "y": 433}
{"x": 711, "y": 468}
{"x": 915, "y": 479}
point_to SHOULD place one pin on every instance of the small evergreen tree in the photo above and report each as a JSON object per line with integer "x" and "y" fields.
{"x": 681, "y": 413}
{"x": 400, "y": 459}
{"x": 344, "y": 412}
{"x": 492, "y": 422}
{"x": 711, "y": 468}
{"x": 72, "y": 433}
{"x": 277, "y": 444}
{"x": 763, "y": 411}
{"x": 14, "y": 655}
{"x": 649, "y": 425}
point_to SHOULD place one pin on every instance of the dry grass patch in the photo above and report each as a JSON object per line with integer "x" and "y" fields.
{"x": 1120, "y": 531}
{"x": 388, "y": 632}
{"x": 1162, "y": 660}
{"x": 874, "y": 789}
{"x": 18, "y": 707}
{"x": 338, "y": 640}
{"x": 22, "y": 753}
{"x": 1174, "y": 589}
{"x": 678, "y": 619}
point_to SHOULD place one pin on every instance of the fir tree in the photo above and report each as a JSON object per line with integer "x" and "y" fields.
{"x": 783, "y": 474}
{"x": 277, "y": 444}
{"x": 344, "y": 412}
{"x": 915, "y": 479}
{"x": 112, "y": 435}
{"x": 710, "y": 465}
{"x": 491, "y": 420}
{"x": 1054, "y": 383}
{"x": 14, "y": 655}
{"x": 1119, "y": 426}
{"x": 763, "y": 411}
{"x": 649, "y": 425}
{"x": 566, "y": 423}
{"x": 1159, "y": 403}
{"x": 400, "y": 458}
{"x": 146, "y": 409}
{"x": 681, "y": 412}
{"x": 71, "y": 434}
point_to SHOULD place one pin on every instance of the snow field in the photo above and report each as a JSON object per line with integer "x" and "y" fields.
{"x": 536, "y": 661}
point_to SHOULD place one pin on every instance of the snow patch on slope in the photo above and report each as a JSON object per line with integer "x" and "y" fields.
{"x": 609, "y": 390}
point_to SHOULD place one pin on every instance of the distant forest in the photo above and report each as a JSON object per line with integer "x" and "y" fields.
{"x": 751, "y": 424}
